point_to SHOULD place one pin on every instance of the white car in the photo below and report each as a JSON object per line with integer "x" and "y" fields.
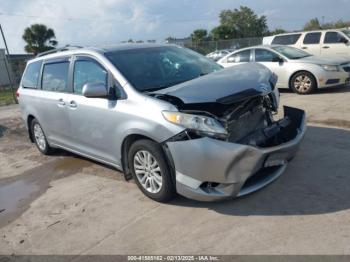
{"x": 333, "y": 42}
{"x": 296, "y": 69}
{"x": 218, "y": 54}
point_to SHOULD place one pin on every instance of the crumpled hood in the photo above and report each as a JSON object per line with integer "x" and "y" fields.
{"x": 224, "y": 86}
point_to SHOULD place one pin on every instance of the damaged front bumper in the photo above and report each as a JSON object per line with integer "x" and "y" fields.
{"x": 208, "y": 169}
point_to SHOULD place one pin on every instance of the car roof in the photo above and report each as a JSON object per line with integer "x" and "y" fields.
{"x": 256, "y": 46}
{"x": 311, "y": 31}
{"x": 71, "y": 50}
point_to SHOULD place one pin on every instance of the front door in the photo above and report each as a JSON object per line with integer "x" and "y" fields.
{"x": 93, "y": 120}
{"x": 273, "y": 62}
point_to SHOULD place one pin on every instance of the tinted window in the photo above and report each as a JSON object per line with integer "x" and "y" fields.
{"x": 86, "y": 71}
{"x": 263, "y": 55}
{"x": 155, "y": 68}
{"x": 243, "y": 56}
{"x": 31, "y": 75}
{"x": 312, "y": 38}
{"x": 286, "y": 39}
{"x": 55, "y": 77}
{"x": 346, "y": 32}
{"x": 333, "y": 38}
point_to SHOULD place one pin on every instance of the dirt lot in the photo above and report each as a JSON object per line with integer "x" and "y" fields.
{"x": 64, "y": 204}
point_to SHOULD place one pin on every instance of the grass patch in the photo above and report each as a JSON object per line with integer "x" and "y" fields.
{"x": 6, "y": 97}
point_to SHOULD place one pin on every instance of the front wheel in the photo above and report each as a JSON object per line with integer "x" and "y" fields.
{"x": 303, "y": 83}
{"x": 150, "y": 170}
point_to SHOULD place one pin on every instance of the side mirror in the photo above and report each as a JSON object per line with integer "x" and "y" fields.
{"x": 345, "y": 41}
{"x": 94, "y": 90}
{"x": 278, "y": 59}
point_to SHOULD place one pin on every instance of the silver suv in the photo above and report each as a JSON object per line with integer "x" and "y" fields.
{"x": 169, "y": 118}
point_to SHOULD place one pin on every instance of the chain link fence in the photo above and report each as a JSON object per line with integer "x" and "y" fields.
{"x": 206, "y": 47}
{"x": 14, "y": 66}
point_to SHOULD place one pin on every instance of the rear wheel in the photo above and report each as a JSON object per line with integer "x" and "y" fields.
{"x": 303, "y": 83}
{"x": 150, "y": 170}
{"x": 40, "y": 138}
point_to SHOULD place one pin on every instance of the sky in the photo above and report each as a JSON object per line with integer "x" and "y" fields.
{"x": 107, "y": 22}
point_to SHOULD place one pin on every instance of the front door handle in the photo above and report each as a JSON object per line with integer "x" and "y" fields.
{"x": 61, "y": 102}
{"x": 304, "y": 47}
{"x": 325, "y": 47}
{"x": 73, "y": 104}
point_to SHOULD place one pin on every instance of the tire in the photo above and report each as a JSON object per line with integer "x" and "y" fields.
{"x": 40, "y": 138}
{"x": 303, "y": 83}
{"x": 150, "y": 170}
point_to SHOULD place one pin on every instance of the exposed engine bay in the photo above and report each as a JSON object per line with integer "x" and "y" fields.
{"x": 248, "y": 121}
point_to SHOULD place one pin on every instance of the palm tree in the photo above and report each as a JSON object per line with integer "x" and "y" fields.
{"x": 39, "y": 39}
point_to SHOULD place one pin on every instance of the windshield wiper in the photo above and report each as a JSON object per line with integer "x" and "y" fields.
{"x": 149, "y": 90}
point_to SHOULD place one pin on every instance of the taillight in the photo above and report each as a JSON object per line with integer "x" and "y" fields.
{"x": 17, "y": 94}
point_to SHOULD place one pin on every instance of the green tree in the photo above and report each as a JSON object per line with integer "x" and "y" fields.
{"x": 338, "y": 24}
{"x": 245, "y": 22}
{"x": 170, "y": 39}
{"x": 277, "y": 31}
{"x": 223, "y": 32}
{"x": 199, "y": 35}
{"x": 39, "y": 39}
{"x": 313, "y": 24}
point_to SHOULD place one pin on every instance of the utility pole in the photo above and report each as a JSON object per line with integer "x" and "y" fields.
{"x": 7, "y": 66}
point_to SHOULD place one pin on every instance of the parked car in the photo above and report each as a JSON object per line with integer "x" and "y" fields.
{"x": 320, "y": 42}
{"x": 218, "y": 54}
{"x": 296, "y": 69}
{"x": 170, "y": 118}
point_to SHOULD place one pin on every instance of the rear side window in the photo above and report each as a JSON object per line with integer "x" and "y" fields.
{"x": 86, "y": 71}
{"x": 286, "y": 39}
{"x": 333, "y": 38}
{"x": 55, "y": 77}
{"x": 31, "y": 75}
{"x": 312, "y": 38}
{"x": 239, "y": 57}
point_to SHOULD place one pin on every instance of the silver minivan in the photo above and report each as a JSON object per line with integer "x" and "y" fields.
{"x": 171, "y": 119}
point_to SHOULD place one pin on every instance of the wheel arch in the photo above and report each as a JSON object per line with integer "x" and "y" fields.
{"x": 30, "y": 118}
{"x": 132, "y": 138}
{"x": 126, "y": 144}
{"x": 300, "y": 71}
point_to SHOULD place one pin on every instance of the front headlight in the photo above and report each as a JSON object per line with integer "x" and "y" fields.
{"x": 201, "y": 124}
{"x": 332, "y": 68}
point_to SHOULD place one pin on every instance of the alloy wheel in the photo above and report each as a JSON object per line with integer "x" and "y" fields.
{"x": 147, "y": 171}
{"x": 39, "y": 137}
{"x": 302, "y": 83}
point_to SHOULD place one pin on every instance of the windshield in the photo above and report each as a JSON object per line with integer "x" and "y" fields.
{"x": 346, "y": 32}
{"x": 154, "y": 68}
{"x": 291, "y": 52}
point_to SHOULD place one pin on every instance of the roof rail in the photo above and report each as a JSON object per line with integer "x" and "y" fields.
{"x": 61, "y": 49}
